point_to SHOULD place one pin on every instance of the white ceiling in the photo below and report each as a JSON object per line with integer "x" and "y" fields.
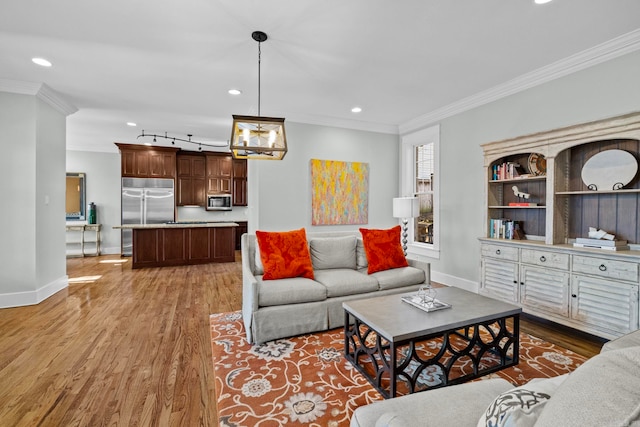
{"x": 168, "y": 65}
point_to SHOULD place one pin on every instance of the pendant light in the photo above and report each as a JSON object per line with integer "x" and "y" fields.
{"x": 257, "y": 137}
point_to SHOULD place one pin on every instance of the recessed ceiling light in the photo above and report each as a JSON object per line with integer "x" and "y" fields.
{"x": 541, "y": 1}
{"x": 356, "y": 110}
{"x": 41, "y": 61}
{"x": 235, "y": 91}
{"x": 131, "y": 124}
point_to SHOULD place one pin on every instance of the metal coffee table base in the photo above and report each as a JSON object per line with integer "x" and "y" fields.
{"x": 386, "y": 363}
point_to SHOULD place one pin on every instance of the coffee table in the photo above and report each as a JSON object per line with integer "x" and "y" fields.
{"x": 394, "y": 344}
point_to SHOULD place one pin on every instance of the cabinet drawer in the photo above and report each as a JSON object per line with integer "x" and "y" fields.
{"x": 621, "y": 270}
{"x": 545, "y": 258}
{"x": 500, "y": 252}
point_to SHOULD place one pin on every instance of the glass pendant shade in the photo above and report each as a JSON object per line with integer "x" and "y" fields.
{"x": 254, "y": 137}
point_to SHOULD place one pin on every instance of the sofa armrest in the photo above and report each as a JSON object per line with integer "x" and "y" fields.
{"x": 632, "y": 339}
{"x": 425, "y": 266}
{"x": 249, "y": 288}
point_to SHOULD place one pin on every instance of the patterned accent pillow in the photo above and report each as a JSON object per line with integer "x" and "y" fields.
{"x": 383, "y": 249}
{"x": 284, "y": 254}
{"x": 522, "y": 405}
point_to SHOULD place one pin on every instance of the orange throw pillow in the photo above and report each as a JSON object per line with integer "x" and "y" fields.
{"x": 383, "y": 249}
{"x": 284, "y": 254}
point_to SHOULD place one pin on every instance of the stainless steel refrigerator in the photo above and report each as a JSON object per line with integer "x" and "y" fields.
{"x": 145, "y": 201}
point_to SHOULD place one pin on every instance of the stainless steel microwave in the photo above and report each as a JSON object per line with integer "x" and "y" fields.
{"x": 218, "y": 202}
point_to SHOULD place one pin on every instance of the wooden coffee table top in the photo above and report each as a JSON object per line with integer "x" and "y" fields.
{"x": 398, "y": 321}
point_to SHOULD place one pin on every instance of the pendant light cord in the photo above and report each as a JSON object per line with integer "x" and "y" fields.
{"x": 259, "y": 60}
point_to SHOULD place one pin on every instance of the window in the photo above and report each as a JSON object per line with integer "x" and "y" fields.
{"x": 419, "y": 178}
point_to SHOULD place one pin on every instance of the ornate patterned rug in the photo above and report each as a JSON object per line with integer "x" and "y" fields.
{"x": 306, "y": 380}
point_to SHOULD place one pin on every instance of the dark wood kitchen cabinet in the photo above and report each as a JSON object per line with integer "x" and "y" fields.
{"x": 191, "y": 180}
{"x": 142, "y": 161}
{"x": 242, "y": 228}
{"x": 239, "y": 182}
{"x": 158, "y": 247}
{"x": 219, "y": 173}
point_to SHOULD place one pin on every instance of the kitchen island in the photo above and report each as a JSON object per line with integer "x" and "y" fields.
{"x": 181, "y": 243}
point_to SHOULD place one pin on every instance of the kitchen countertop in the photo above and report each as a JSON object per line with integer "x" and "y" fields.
{"x": 177, "y": 224}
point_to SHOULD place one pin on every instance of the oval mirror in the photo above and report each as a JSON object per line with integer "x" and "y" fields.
{"x": 609, "y": 170}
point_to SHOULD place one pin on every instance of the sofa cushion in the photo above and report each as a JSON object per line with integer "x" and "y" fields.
{"x": 391, "y": 419}
{"x": 333, "y": 252}
{"x": 399, "y": 277}
{"x": 459, "y": 405}
{"x": 284, "y": 254}
{"x": 602, "y": 392}
{"x": 521, "y": 406}
{"x": 344, "y": 281}
{"x": 258, "y": 268}
{"x": 383, "y": 249}
{"x": 289, "y": 291}
{"x": 361, "y": 255}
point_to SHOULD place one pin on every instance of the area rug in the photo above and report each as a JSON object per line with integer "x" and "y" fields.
{"x": 306, "y": 380}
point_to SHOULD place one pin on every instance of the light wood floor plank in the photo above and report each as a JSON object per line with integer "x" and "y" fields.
{"x": 132, "y": 347}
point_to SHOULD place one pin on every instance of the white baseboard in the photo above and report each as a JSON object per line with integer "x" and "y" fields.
{"x": 19, "y": 299}
{"x": 449, "y": 280}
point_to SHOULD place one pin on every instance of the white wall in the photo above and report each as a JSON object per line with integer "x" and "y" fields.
{"x": 32, "y": 176}
{"x": 280, "y": 191}
{"x": 102, "y": 188}
{"x": 605, "y": 90}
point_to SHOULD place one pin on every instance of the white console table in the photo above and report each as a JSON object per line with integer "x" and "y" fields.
{"x": 77, "y": 233}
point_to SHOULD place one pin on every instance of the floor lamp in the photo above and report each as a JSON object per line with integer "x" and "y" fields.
{"x": 405, "y": 208}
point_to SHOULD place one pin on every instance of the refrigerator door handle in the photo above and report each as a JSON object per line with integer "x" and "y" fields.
{"x": 143, "y": 208}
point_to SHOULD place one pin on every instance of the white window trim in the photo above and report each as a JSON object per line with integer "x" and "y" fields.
{"x": 407, "y": 178}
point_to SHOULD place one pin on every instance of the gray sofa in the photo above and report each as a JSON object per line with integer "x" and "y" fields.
{"x": 604, "y": 391}
{"x": 273, "y": 309}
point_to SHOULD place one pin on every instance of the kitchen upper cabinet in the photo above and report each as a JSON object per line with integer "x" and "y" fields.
{"x": 219, "y": 172}
{"x": 239, "y": 182}
{"x": 141, "y": 161}
{"x": 191, "y": 180}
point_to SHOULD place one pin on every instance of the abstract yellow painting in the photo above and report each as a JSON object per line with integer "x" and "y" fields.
{"x": 340, "y": 192}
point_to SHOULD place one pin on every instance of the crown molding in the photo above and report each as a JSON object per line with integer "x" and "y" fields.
{"x": 41, "y": 91}
{"x": 611, "y": 49}
{"x": 343, "y": 123}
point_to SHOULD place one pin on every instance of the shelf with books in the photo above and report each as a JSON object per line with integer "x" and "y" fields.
{"x": 519, "y": 179}
{"x": 517, "y": 207}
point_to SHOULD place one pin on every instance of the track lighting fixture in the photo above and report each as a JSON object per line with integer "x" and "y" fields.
{"x": 173, "y": 140}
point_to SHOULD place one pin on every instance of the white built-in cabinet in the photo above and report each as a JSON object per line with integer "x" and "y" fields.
{"x": 594, "y": 290}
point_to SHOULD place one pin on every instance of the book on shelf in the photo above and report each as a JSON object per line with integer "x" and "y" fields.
{"x": 519, "y": 204}
{"x": 506, "y": 170}
{"x": 504, "y": 228}
{"x": 429, "y": 305}
{"x": 600, "y": 242}
{"x": 607, "y": 248}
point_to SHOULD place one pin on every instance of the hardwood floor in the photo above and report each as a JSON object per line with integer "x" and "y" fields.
{"x": 132, "y": 347}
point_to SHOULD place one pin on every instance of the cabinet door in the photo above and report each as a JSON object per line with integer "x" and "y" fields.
{"x": 199, "y": 245}
{"x": 545, "y": 290}
{"x": 604, "y": 305}
{"x": 225, "y": 166}
{"x": 223, "y": 240}
{"x": 239, "y": 191}
{"x": 500, "y": 280}
{"x": 184, "y": 166}
{"x": 128, "y": 159}
{"x": 219, "y": 174}
{"x": 142, "y": 166}
{"x": 239, "y": 168}
{"x": 174, "y": 245}
{"x": 160, "y": 165}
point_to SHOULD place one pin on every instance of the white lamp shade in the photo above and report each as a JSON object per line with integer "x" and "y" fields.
{"x": 406, "y": 207}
